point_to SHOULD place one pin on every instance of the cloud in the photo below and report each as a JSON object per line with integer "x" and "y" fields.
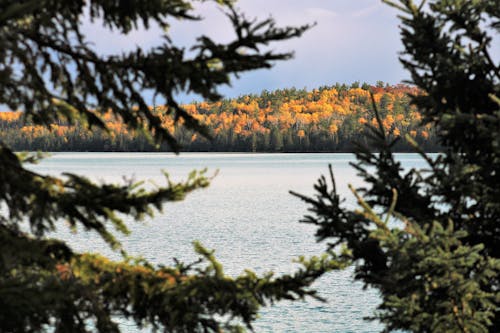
{"x": 340, "y": 48}
{"x": 113, "y": 42}
{"x": 316, "y": 12}
{"x": 367, "y": 11}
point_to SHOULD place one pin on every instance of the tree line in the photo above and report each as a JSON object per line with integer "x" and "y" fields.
{"x": 326, "y": 119}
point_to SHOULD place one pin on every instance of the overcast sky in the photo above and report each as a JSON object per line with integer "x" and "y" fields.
{"x": 352, "y": 41}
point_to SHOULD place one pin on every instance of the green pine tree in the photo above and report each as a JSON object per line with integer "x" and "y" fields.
{"x": 276, "y": 139}
{"x": 50, "y": 72}
{"x": 437, "y": 264}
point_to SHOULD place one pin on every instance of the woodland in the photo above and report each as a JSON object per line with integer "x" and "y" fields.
{"x": 327, "y": 119}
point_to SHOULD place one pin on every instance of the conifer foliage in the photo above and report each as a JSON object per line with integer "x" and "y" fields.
{"x": 428, "y": 239}
{"x": 49, "y": 71}
{"x": 326, "y": 119}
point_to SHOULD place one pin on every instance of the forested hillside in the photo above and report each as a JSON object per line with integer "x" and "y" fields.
{"x": 327, "y": 119}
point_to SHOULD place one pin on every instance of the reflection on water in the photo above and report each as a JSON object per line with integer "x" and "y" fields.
{"x": 246, "y": 215}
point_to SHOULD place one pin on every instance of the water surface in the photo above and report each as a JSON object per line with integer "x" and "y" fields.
{"x": 247, "y": 216}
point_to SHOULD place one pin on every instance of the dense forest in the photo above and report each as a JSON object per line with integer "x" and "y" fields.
{"x": 327, "y": 119}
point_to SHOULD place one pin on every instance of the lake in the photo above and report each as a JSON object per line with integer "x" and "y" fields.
{"x": 246, "y": 215}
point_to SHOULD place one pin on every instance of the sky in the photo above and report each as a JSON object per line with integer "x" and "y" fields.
{"x": 353, "y": 40}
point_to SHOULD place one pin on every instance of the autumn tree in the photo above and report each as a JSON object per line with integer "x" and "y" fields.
{"x": 428, "y": 239}
{"x": 50, "y": 72}
{"x": 332, "y": 122}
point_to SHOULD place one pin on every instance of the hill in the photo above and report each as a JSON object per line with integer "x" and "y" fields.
{"x": 327, "y": 119}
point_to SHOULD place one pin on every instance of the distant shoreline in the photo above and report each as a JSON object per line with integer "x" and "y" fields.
{"x": 218, "y": 152}
{"x": 329, "y": 119}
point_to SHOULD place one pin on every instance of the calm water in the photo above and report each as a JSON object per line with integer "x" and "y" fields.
{"x": 247, "y": 216}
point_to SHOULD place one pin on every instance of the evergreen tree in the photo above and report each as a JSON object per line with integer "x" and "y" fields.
{"x": 276, "y": 140}
{"x": 436, "y": 264}
{"x": 50, "y": 72}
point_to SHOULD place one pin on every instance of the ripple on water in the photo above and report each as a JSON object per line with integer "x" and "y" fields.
{"x": 248, "y": 216}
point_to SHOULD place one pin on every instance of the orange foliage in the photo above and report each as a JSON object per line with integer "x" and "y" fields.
{"x": 321, "y": 110}
{"x": 10, "y": 116}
